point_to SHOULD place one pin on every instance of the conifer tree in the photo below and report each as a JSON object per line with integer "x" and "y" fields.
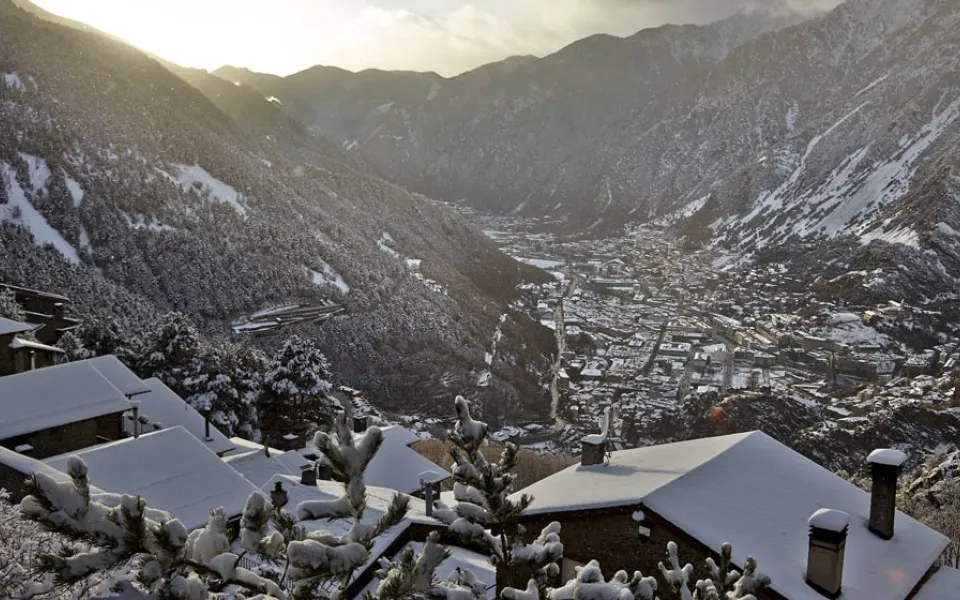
{"x": 9, "y": 307}
{"x": 485, "y": 515}
{"x": 295, "y": 390}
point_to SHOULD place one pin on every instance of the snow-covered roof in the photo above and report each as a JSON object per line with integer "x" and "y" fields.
{"x": 119, "y": 375}
{"x": 19, "y": 342}
{"x": 943, "y": 585}
{"x": 757, "y": 494}
{"x": 259, "y": 468}
{"x": 55, "y": 396}
{"x": 9, "y": 326}
{"x": 629, "y": 476}
{"x": 171, "y": 469}
{"x": 397, "y": 466}
{"x": 162, "y": 406}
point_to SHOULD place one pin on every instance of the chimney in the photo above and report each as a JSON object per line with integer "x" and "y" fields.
{"x": 594, "y": 450}
{"x": 308, "y": 475}
{"x": 279, "y": 495}
{"x": 360, "y": 423}
{"x": 206, "y": 429}
{"x": 885, "y": 468}
{"x": 828, "y": 542}
{"x": 324, "y": 472}
{"x": 136, "y": 417}
{"x": 58, "y": 310}
{"x": 428, "y": 480}
{"x": 266, "y": 446}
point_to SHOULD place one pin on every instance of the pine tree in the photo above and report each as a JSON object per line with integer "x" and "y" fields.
{"x": 485, "y": 515}
{"x": 295, "y": 390}
{"x": 73, "y": 347}
{"x": 9, "y": 307}
{"x": 173, "y": 354}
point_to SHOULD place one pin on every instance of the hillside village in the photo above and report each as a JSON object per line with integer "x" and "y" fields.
{"x": 647, "y": 324}
{"x": 818, "y": 536}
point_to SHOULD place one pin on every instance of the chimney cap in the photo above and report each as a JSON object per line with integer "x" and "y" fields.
{"x": 829, "y": 519}
{"x": 887, "y": 456}
{"x": 431, "y": 477}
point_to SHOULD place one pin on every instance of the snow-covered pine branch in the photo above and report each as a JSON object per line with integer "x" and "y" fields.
{"x": 170, "y": 563}
{"x": 485, "y": 515}
{"x": 325, "y": 556}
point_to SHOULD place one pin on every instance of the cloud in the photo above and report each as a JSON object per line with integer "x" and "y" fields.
{"x": 447, "y": 36}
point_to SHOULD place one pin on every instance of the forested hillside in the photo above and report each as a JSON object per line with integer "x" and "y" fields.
{"x": 126, "y": 188}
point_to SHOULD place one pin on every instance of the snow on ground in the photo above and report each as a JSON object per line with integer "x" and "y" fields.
{"x": 853, "y": 332}
{"x": 30, "y": 218}
{"x": 38, "y": 170}
{"x": 328, "y": 276}
{"x": 947, "y": 230}
{"x": 13, "y": 81}
{"x": 385, "y": 244}
{"x": 189, "y": 175}
{"x": 76, "y": 191}
{"x": 902, "y": 235}
{"x": 542, "y": 263}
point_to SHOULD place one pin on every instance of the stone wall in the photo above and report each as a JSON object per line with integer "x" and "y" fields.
{"x": 70, "y": 437}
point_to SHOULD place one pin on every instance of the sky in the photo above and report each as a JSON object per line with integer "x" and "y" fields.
{"x": 446, "y": 36}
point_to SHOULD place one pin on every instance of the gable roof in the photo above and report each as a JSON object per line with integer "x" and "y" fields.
{"x": 9, "y": 326}
{"x": 943, "y": 585}
{"x": 757, "y": 494}
{"x": 171, "y": 469}
{"x": 161, "y": 406}
{"x": 259, "y": 468}
{"x": 55, "y": 396}
{"x": 396, "y": 465}
{"x": 119, "y": 375}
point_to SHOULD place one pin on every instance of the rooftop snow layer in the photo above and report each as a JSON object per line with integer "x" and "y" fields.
{"x": 829, "y": 520}
{"x": 943, "y": 585}
{"x": 22, "y": 343}
{"x": 757, "y": 494}
{"x": 162, "y": 406}
{"x": 397, "y": 466}
{"x": 259, "y": 468}
{"x": 886, "y": 456}
{"x": 55, "y": 396}
{"x": 628, "y": 477}
{"x": 9, "y": 326}
{"x": 119, "y": 375}
{"x": 171, "y": 469}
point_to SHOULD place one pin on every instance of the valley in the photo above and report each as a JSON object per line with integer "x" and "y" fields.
{"x": 658, "y": 330}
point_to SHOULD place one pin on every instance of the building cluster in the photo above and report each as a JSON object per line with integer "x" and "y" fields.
{"x": 643, "y": 323}
{"x": 816, "y": 535}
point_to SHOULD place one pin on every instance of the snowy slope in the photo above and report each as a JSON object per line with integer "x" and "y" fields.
{"x": 19, "y": 210}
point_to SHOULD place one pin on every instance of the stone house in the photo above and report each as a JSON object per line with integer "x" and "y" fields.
{"x": 46, "y": 309}
{"x": 19, "y": 353}
{"x": 622, "y": 508}
{"x": 66, "y": 407}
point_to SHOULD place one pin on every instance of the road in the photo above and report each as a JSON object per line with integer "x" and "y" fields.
{"x": 561, "y": 348}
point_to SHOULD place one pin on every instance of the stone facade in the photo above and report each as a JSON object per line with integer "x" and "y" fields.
{"x": 611, "y": 537}
{"x": 70, "y": 437}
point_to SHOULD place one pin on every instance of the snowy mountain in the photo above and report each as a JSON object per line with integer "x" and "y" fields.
{"x": 832, "y": 133}
{"x": 129, "y": 190}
